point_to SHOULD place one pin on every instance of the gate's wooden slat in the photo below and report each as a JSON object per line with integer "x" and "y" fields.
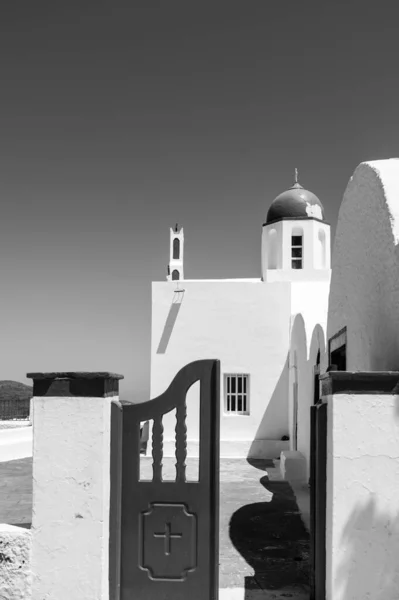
{"x": 157, "y": 448}
{"x": 181, "y": 442}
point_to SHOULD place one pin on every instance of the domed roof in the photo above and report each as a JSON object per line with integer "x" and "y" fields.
{"x": 295, "y": 203}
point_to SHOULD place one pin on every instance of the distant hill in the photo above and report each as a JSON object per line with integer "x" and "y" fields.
{"x": 14, "y": 390}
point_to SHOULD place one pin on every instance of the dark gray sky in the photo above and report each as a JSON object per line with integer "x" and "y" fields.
{"x": 118, "y": 119}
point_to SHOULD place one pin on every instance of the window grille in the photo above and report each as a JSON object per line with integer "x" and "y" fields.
{"x": 236, "y": 394}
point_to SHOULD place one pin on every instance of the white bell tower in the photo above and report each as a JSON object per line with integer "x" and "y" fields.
{"x": 175, "y": 267}
{"x": 296, "y": 238}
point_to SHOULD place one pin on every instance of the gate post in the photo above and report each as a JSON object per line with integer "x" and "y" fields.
{"x": 71, "y": 484}
{"x": 362, "y": 533}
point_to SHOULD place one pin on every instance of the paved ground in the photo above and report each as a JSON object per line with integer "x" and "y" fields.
{"x": 263, "y": 542}
{"x": 16, "y": 492}
{"x": 264, "y": 546}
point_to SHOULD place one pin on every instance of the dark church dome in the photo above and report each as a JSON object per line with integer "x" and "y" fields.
{"x": 295, "y": 203}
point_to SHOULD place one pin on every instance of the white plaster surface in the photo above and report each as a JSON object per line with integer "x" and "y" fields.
{"x": 314, "y": 210}
{"x": 362, "y": 497}
{"x": 243, "y": 324}
{"x": 302, "y": 497}
{"x": 70, "y": 526}
{"x": 15, "y": 443}
{"x": 364, "y": 293}
{"x": 316, "y": 255}
{"x": 15, "y": 575}
{"x": 293, "y": 466}
{"x": 309, "y": 307}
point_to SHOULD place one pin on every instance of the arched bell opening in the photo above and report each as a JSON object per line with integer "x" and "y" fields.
{"x": 176, "y": 248}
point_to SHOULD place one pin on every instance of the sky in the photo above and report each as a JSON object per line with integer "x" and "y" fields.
{"x": 119, "y": 119}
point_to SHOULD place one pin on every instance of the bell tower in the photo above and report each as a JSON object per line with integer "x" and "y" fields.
{"x": 296, "y": 238}
{"x": 175, "y": 267}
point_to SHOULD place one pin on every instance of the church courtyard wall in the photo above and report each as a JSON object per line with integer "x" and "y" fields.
{"x": 362, "y": 402}
{"x": 362, "y": 528}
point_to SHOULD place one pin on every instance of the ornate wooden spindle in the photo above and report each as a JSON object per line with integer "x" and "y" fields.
{"x": 157, "y": 448}
{"x": 181, "y": 441}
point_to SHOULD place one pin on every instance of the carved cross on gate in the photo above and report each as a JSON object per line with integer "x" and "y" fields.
{"x": 168, "y": 536}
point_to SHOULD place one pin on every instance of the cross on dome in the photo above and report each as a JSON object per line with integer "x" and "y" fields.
{"x": 294, "y": 203}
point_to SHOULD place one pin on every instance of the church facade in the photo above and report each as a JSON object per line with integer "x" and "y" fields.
{"x": 251, "y": 326}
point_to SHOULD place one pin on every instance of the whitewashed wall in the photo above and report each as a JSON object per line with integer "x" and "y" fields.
{"x": 364, "y": 294}
{"x": 71, "y": 486}
{"x": 362, "y": 500}
{"x": 276, "y": 251}
{"x": 309, "y": 307}
{"x": 310, "y": 299}
{"x": 245, "y": 324}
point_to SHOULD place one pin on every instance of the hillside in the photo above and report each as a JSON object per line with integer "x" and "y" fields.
{"x": 14, "y": 390}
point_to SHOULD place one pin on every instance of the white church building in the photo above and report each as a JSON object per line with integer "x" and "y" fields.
{"x": 255, "y": 327}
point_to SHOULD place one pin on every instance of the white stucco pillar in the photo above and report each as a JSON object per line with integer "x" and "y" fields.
{"x": 71, "y": 484}
{"x": 362, "y": 507}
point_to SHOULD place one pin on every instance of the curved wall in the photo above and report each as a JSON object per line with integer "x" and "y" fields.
{"x": 364, "y": 292}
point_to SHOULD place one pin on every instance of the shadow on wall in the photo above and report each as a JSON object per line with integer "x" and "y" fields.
{"x": 272, "y": 539}
{"x": 369, "y": 566}
{"x": 278, "y": 419}
{"x": 170, "y": 321}
{"x": 274, "y": 422}
{"x": 382, "y": 327}
{"x": 303, "y": 371}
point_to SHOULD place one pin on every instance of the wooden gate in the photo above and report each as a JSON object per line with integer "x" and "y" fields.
{"x": 318, "y": 481}
{"x": 169, "y": 530}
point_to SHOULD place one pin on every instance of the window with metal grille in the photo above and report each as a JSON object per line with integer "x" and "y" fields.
{"x": 296, "y": 251}
{"x": 236, "y": 394}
